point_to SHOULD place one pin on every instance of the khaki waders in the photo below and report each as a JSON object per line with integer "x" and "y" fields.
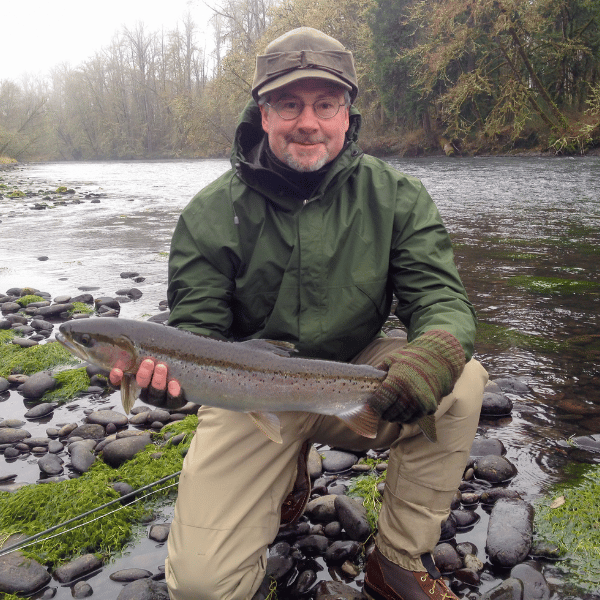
{"x": 235, "y": 479}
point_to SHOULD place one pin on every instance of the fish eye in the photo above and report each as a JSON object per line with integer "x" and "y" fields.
{"x": 85, "y": 339}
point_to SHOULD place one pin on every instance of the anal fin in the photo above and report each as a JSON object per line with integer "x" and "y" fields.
{"x": 269, "y": 424}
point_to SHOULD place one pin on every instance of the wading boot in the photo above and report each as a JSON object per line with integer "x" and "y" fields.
{"x": 295, "y": 503}
{"x": 385, "y": 580}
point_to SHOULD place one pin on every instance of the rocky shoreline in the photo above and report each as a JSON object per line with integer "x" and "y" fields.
{"x": 322, "y": 557}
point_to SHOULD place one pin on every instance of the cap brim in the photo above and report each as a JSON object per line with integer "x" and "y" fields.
{"x": 298, "y": 74}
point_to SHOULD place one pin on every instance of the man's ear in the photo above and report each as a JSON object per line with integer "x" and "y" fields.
{"x": 264, "y": 113}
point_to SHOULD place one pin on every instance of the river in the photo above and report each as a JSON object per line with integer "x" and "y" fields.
{"x": 526, "y": 233}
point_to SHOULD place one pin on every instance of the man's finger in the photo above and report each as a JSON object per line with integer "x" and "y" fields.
{"x": 159, "y": 379}
{"x": 115, "y": 376}
{"x": 174, "y": 388}
{"x": 144, "y": 374}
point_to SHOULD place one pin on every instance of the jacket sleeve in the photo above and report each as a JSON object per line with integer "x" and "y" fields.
{"x": 424, "y": 276}
{"x": 201, "y": 278}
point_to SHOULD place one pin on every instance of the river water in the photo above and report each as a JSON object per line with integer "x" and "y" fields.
{"x": 522, "y": 228}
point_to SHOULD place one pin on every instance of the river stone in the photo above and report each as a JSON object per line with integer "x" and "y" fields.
{"x": 303, "y": 583}
{"x": 14, "y": 423}
{"x": 32, "y": 442}
{"x": 534, "y": 582}
{"x": 465, "y": 518}
{"x": 54, "y": 446}
{"x": 4, "y": 384}
{"x": 41, "y": 410}
{"x": 9, "y": 435}
{"x": 42, "y": 325}
{"x": 510, "y": 532}
{"x": 24, "y": 343}
{"x": 144, "y": 589}
{"x": 495, "y": 469}
{"x": 512, "y": 385}
{"x": 336, "y": 590}
{"x": 496, "y": 405}
{"x": 492, "y": 496}
{"x": 128, "y": 575}
{"x": 446, "y": 558}
{"x": 313, "y": 545}
{"x": 50, "y": 464}
{"x": 88, "y": 431}
{"x": 278, "y": 567}
{"x": 66, "y": 430}
{"x": 82, "y": 458}
{"x": 341, "y": 551}
{"x": 353, "y": 517}
{"x": 21, "y": 575}
{"x": 509, "y": 589}
{"x": 159, "y": 532}
{"x": 77, "y": 568}
{"x": 124, "y": 449}
{"x": 82, "y": 589}
{"x": 106, "y": 417}
{"x": 54, "y": 310}
{"x": 160, "y": 415}
{"x": 336, "y": 461}
{"x": 37, "y": 385}
{"x": 11, "y": 453}
{"x": 9, "y": 307}
{"x": 5, "y": 323}
{"x": 487, "y": 446}
{"x": 322, "y": 509}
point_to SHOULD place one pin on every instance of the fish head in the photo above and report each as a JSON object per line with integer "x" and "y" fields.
{"x": 99, "y": 342}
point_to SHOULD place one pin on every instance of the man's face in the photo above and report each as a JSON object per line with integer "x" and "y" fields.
{"x": 307, "y": 142}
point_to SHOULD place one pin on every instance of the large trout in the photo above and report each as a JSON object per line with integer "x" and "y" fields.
{"x": 257, "y": 377}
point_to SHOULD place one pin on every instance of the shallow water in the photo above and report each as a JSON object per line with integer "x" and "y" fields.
{"x": 508, "y": 217}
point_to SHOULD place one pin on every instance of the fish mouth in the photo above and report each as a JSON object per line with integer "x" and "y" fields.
{"x": 70, "y": 346}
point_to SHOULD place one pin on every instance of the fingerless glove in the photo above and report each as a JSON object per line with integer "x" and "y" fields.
{"x": 419, "y": 376}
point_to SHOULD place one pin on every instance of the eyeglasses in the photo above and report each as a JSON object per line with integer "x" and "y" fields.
{"x": 291, "y": 108}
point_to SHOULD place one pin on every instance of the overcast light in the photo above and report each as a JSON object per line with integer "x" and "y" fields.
{"x": 38, "y": 35}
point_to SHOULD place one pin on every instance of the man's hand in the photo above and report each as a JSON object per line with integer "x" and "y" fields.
{"x": 156, "y": 388}
{"x": 419, "y": 376}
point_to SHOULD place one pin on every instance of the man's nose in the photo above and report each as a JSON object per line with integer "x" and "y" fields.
{"x": 308, "y": 119}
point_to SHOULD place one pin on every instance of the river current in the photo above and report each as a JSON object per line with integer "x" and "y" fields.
{"x": 526, "y": 234}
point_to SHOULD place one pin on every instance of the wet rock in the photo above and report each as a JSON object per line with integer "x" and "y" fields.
{"x": 82, "y": 589}
{"x": 278, "y": 567}
{"x": 587, "y": 442}
{"x": 50, "y": 464}
{"x": 312, "y": 545}
{"x": 66, "y": 430}
{"x": 41, "y": 325}
{"x": 495, "y": 469}
{"x": 353, "y": 517}
{"x": 495, "y": 405}
{"x": 510, "y": 589}
{"x": 37, "y": 385}
{"x": 446, "y": 558}
{"x": 14, "y": 423}
{"x": 11, "y": 453}
{"x": 468, "y": 576}
{"x": 20, "y": 575}
{"x": 4, "y": 384}
{"x": 9, "y": 307}
{"x": 336, "y": 461}
{"x": 448, "y": 530}
{"x": 124, "y": 449}
{"x": 465, "y": 519}
{"x": 10, "y": 435}
{"x": 54, "y": 310}
{"x": 304, "y": 583}
{"x": 122, "y": 488}
{"x": 534, "y": 582}
{"x": 159, "y": 415}
{"x": 322, "y": 509}
{"x": 144, "y": 589}
{"x": 82, "y": 458}
{"x": 89, "y": 431}
{"x": 512, "y": 385}
{"x": 77, "y": 568}
{"x": 335, "y": 590}
{"x": 107, "y": 417}
{"x": 128, "y": 575}
{"x": 55, "y": 447}
{"x": 510, "y": 532}
{"x": 493, "y": 495}
{"x": 159, "y": 532}
{"x": 315, "y": 463}
{"x": 41, "y": 410}
{"x": 486, "y": 447}
{"x": 342, "y": 550}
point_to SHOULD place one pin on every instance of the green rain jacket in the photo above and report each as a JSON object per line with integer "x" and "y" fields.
{"x": 251, "y": 260}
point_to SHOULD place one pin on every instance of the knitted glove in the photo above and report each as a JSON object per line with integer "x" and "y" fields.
{"x": 419, "y": 376}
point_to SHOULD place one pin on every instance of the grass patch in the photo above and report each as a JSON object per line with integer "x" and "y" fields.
{"x": 14, "y": 359}
{"x": 553, "y": 285}
{"x": 365, "y": 487}
{"x": 35, "y": 508}
{"x": 574, "y": 526}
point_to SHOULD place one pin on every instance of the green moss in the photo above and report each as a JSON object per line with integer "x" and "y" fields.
{"x": 70, "y": 384}
{"x": 504, "y": 338}
{"x": 25, "y": 300}
{"x": 574, "y": 526}
{"x": 6, "y": 335}
{"x": 35, "y": 508}
{"x": 16, "y": 194}
{"x": 14, "y": 359}
{"x": 81, "y": 307}
{"x": 553, "y": 285}
{"x": 365, "y": 487}
{"x": 61, "y": 190}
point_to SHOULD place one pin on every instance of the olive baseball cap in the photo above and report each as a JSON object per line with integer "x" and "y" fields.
{"x": 304, "y": 53}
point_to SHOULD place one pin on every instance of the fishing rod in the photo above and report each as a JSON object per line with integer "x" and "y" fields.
{"x": 32, "y": 539}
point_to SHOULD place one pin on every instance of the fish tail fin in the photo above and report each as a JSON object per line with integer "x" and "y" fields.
{"x": 361, "y": 419}
{"x": 129, "y": 392}
{"x": 427, "y": 425}
{"x": 269, "y": 424}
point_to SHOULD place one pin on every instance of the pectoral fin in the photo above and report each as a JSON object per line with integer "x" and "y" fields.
{"x": 129, "y": 392}
{"x": 427, "y": 425}
{"x": 362, "y": 420}
{"x": 269, "y": 424}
